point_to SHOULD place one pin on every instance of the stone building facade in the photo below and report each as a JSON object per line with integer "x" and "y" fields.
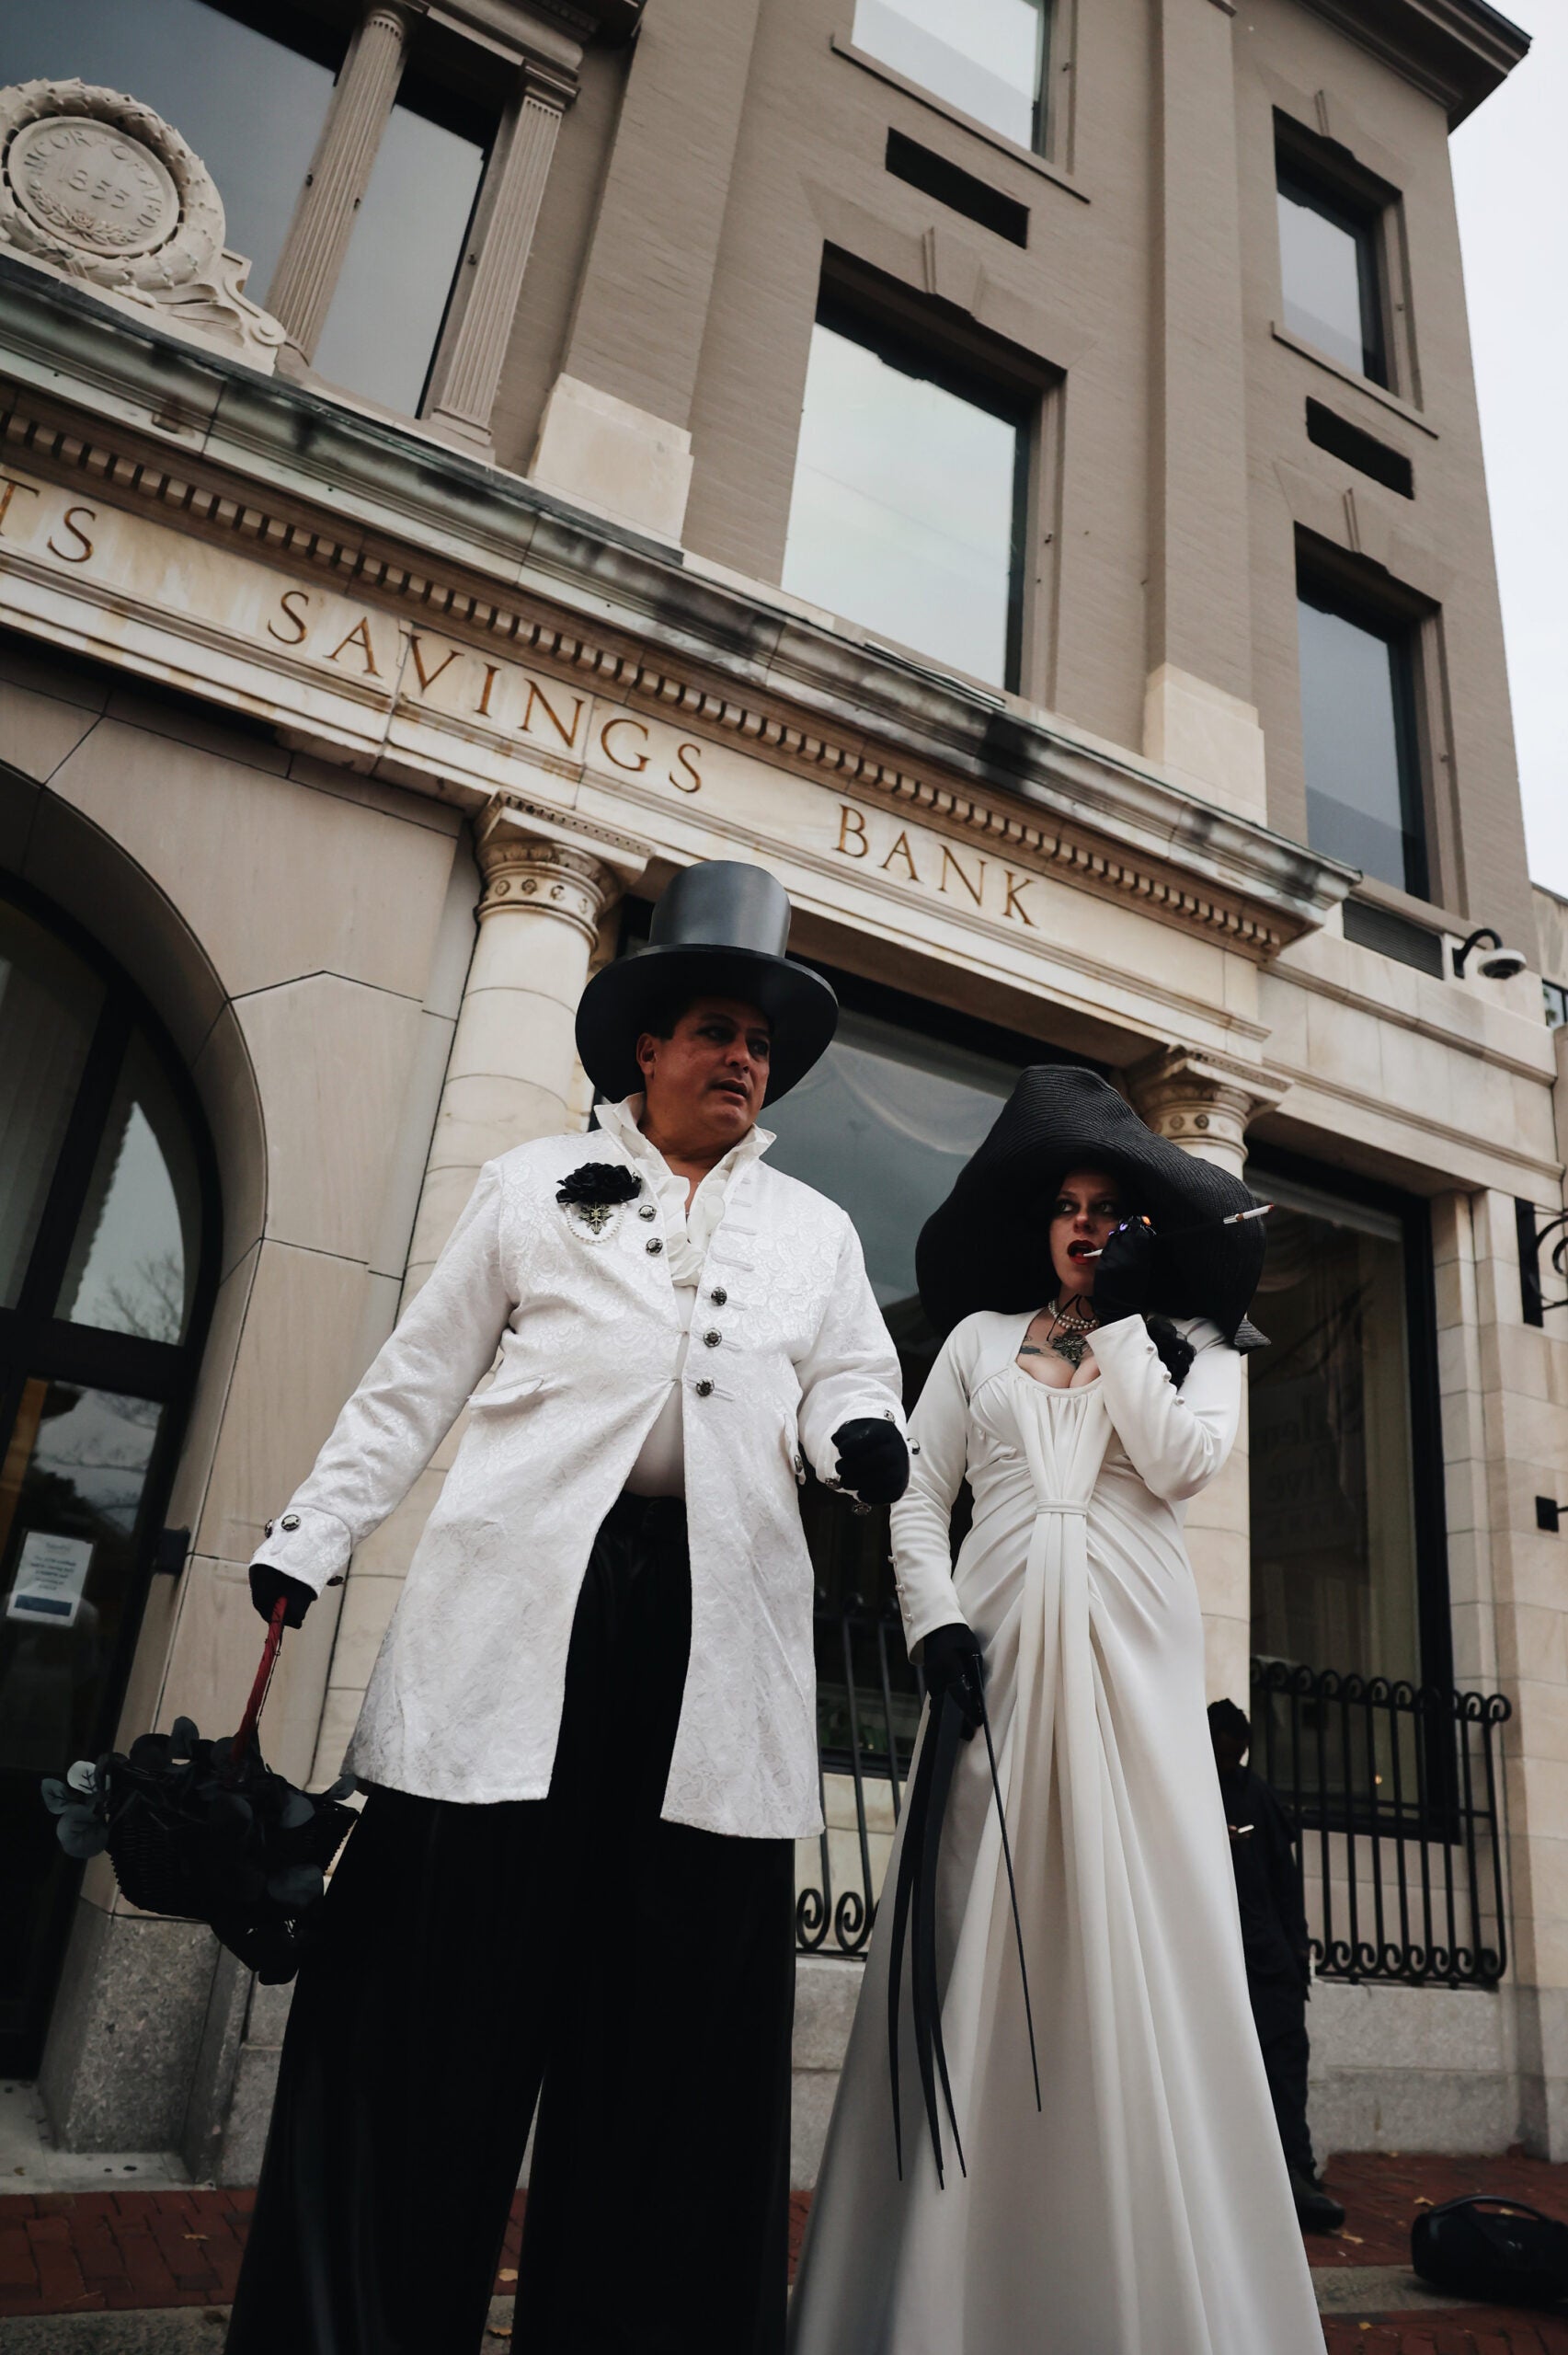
{"x": 1014, "y": 473}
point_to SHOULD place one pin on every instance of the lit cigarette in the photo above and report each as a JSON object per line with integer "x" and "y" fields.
{"x": 1237, "y": 1218}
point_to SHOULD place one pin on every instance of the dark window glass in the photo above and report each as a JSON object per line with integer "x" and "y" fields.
{"x": 133, "y": 1259}
{"x": 882, "y": 1125}
{"x": 988, "y": 58}
{"x": 1346, "y": 1478}
{"x": 1333, "y": 1539}
{"x": 108, "y": 1248}
{"x": 1328, "y": 258}
{"x": 1556, "y": 997}
{"x": 907, "y": 507}
{"x": 1358, "y": 739}
{"x": 392, "y": 294}
{"x": 251, "y": 106}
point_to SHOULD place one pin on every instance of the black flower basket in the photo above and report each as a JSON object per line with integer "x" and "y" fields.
{"x": 204, "y": 1832}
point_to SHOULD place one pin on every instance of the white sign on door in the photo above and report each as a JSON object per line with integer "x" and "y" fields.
{"x": 50, "y": 1576}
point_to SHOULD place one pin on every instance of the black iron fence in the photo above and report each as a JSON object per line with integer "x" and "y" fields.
{"x": 868, "y": 1706}
{"x": 1394, "y": 1789}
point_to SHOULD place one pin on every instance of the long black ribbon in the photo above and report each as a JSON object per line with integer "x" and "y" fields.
{"x": 914, "y": 1922}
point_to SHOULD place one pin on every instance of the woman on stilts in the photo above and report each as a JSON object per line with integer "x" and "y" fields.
{"x": 1089, "y": 1384}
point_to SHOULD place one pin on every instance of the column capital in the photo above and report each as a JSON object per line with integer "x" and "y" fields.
{"x": 545, "y": 83}
{"x": 1203, "y": 1101}
{"x": 524, "y": 874}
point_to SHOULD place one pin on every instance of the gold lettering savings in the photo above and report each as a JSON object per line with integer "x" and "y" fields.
{"x": 591, "y": 1194}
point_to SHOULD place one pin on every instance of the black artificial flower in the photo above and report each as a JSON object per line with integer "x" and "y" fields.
{"x": 597, "y": 1184}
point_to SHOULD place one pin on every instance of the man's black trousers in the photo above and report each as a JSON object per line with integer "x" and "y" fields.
{"x": 633, "y": 1979}
{"x": 1279, "y": 2011}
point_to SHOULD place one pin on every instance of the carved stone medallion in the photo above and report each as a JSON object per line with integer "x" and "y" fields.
{"x": 93, "y": 185}
{"x": 98, "y": 188}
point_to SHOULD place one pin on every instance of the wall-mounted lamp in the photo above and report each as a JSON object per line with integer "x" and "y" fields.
{"x": 1499, "y": 964}
{"x": 1548, "y": 1514}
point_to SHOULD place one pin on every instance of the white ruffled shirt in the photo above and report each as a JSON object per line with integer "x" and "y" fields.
{"x": 688, "y": 1228}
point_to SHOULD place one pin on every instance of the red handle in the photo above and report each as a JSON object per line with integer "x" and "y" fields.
{"x": 246, "y": 1733}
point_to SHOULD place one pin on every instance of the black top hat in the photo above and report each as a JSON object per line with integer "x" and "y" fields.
{"x": 987, "y": 1246}
{"x": 719, "y": 931}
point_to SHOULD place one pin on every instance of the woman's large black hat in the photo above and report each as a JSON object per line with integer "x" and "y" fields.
{"x": 719, "y": 931}
{"x": 988, "y": 1247}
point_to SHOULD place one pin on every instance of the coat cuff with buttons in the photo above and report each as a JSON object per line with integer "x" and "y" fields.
{"x": 309, "y": 1544}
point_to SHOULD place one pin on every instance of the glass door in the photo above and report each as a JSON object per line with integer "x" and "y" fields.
{"x": 108, "y": 1233}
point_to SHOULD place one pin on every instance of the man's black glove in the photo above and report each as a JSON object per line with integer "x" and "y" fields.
{"x": 952, "y": 1662}
{"x": 874, "y": 1460}
{"x": 267, "y": 1584}
{"x": 1123, "y": 1273}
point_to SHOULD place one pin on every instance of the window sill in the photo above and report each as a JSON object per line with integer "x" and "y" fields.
{"x": 1425, "y": 913}
{"x": 1379, "y": 393}
{"x": 971, "y": 124}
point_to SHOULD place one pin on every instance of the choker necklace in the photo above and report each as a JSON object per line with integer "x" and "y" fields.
{"x": 1067, "y": 1335}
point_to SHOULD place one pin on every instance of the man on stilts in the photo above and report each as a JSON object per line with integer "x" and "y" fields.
{"x": 589, "y": 1738}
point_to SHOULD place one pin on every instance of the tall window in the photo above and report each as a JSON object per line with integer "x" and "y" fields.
{"x": 391, "y": 296}
{"x": 1348, "y": 1549}
{"x": 1333, "y": 1532}
{"x": 107, "y": 1245}
{"x": 247, "y": 83}
{"x": 1329, "y": 265}
{"x": 1359, "y": 737}
{"x": 910, "y": 487}
{"x": 988, "y": 58}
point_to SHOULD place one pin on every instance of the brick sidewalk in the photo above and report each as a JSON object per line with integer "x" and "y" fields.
{"x": 84, "y": 2252}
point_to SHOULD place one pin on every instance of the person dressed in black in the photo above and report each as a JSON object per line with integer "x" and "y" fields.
{"x": 1274, "y": 1935}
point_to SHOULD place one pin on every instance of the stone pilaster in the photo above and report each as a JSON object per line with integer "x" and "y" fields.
{"x": 513, "y": 1066}
{"x": 513, "y": 1074}
{"x": 1199, "y": 720}
{"x": 1203, "y": 1102}
{"x": 468, "y": 368}
{"x": 340, "y": 170}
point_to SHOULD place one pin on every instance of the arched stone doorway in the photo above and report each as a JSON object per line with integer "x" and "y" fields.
{"x": 109, "y": 1250}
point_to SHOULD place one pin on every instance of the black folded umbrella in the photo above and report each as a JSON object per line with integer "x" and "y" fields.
{"x": 204, "y": 1832}
{"x": 914, "y": 1922}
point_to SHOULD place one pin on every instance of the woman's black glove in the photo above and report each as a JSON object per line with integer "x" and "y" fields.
{"x": 267, "y": 1584}
{"x": 874, "y": 1460}
{"x": 952, "y": 1662}
{"x": 1123, "y": 1273}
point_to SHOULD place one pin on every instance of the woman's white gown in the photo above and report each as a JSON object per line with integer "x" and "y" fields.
{"x": 1146, "y": 2211}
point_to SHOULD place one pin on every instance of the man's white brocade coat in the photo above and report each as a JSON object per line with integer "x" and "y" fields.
{"x": 465, "y": 1701}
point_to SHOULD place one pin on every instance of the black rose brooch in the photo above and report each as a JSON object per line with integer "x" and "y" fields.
{"x": 590, "y": 1194}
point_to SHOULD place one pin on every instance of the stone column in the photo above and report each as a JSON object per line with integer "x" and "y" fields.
{"x": 1203, "y": 1103}
{"x": 1199, "y": 720}
{"x": 318, "y": 236}
{"x": 513, "y": 1074}
{"x": 468, "y": 367}
{"x": 512, "y": 1071}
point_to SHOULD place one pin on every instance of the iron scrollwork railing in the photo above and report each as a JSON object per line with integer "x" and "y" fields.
{"x": 1394, "y": 1790}
{"x": 868, "y": 1711}
{"x": 1533, "y": 1239}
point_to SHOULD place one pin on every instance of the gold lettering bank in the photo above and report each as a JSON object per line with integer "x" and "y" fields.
{"x": 349, "y": 717}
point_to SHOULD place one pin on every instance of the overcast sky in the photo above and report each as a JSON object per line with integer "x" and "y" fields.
{"x": 1511, "y": 173}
